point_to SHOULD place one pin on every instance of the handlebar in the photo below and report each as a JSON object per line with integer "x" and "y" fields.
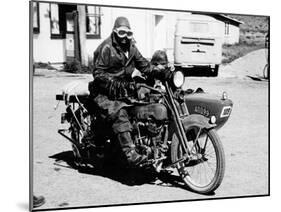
{"x": 150, "y": 88}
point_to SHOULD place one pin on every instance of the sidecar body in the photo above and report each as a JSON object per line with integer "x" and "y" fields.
{"x": 209, "y": 106}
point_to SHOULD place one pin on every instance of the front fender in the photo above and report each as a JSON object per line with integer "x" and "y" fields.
{"x": 197, "y": 120}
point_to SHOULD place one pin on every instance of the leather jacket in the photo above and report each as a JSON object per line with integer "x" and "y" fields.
{"x": 113, "y": 69}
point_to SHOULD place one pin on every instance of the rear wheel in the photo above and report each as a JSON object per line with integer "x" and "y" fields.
{"x": 215, "y": 71}
{"x": 204, "y": 170}
{"x": 77, "y": 134}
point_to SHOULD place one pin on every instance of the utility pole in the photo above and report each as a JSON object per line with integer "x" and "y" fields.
{"x": 82, "y": 34}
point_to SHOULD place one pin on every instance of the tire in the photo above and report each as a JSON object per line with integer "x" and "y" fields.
{"x": 76, "y": 136}
{"x": 89, "y": 157}
{"x": 186, "y": 169}
{"x": 265, "y": 71}
{"x": 215, "y": 71}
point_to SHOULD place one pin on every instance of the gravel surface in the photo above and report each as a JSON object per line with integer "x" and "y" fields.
{"x": 245, "y": 140}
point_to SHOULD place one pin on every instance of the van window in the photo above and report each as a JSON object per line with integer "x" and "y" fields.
{"x": 199, "y": 27}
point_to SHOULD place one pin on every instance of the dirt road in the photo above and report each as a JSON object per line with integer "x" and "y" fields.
{"x": 251, "y": 64}
{"x": 245, "y": 140}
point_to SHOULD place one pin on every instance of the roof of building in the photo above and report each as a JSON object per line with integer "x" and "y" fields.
{"x": 221, "y": 17}
{"x": 230, "y": 18}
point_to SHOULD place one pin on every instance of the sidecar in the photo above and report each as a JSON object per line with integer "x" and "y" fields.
{"x": 211, "y": 106}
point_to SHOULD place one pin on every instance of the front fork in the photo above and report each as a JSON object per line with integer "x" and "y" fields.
{"x": 178, "y": 123}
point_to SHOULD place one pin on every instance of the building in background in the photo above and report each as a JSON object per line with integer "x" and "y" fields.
{"x": 62, "y": 32}
{"x": 230, "y": 28}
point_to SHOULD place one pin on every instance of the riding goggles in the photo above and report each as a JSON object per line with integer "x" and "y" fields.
{"x": 124, "y": 33}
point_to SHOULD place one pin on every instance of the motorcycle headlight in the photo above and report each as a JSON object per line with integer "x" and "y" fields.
{"x": 178, "y": 79}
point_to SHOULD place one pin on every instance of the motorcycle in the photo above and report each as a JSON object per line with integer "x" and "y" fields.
{"x": 178, "y": 125}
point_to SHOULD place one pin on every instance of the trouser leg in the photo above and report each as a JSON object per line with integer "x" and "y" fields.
{"x": 122, "y": 129}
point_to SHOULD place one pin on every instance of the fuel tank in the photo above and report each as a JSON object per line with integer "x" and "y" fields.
{"x": 209, "y": 105}
{"x": 155, "y": 111}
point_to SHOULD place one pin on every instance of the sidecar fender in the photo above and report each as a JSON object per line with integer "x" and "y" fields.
{"x": 197, "y": 120}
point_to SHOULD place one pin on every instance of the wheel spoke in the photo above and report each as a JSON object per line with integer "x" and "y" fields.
{"x": 209, "y": 150}
{"x": 200, "y": 173}
{"x": 207, "y": 179}
{"x": 196, "y": 140}
{"x": 203, "y": 169}
{"x": 207, "y": 137}
{"x": 210, "y": 167}
{"x": 195, "y": 172}
{"x": 211, "y": 156}
{"x": 193, "y": 167}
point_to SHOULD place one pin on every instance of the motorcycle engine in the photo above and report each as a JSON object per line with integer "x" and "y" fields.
{"x": 150, "y": 128}
{"x": 149, "y": 137}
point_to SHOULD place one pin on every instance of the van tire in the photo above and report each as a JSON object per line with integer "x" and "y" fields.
{"x": 215, "y": 71}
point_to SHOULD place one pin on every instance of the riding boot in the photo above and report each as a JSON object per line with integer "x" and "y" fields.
{"x": 129, "y": 150}
{"x": 38, "y": 201}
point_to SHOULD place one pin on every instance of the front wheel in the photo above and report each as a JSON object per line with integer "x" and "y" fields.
{"x": 203, "y": 171}
{"x": 265, "y": 71}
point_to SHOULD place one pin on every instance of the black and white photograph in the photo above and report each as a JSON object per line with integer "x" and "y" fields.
{"x": 134, "y": 105}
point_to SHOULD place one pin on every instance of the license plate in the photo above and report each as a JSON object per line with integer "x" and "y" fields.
{"x": 226, "y": 111}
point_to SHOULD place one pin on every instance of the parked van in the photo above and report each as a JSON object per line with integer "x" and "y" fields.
{"x": 198, "y": 43}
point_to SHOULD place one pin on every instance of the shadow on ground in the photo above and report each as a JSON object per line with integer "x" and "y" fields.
{"x": 130, "y": 177}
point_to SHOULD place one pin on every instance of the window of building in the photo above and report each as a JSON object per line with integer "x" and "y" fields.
{"x": 226, "y": 28}
{"x": 93, "y": 22}
{"x": 36, "y": 24}
{"x": 61, "y": 20}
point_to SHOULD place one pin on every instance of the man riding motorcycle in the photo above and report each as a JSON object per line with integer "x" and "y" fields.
{"x": 114, "y": 62}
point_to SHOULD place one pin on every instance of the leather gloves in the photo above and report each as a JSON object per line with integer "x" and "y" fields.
{"x": 162, "y": 73}
{"x": 119, "y": 89}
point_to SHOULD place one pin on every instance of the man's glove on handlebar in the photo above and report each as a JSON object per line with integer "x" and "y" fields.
{"x": 162, "y": 74}
{"x": 115, "y": 88}
{"x": 118, "y": 89}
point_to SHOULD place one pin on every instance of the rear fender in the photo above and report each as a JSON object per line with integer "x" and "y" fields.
{"x": 197, "y": 120}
